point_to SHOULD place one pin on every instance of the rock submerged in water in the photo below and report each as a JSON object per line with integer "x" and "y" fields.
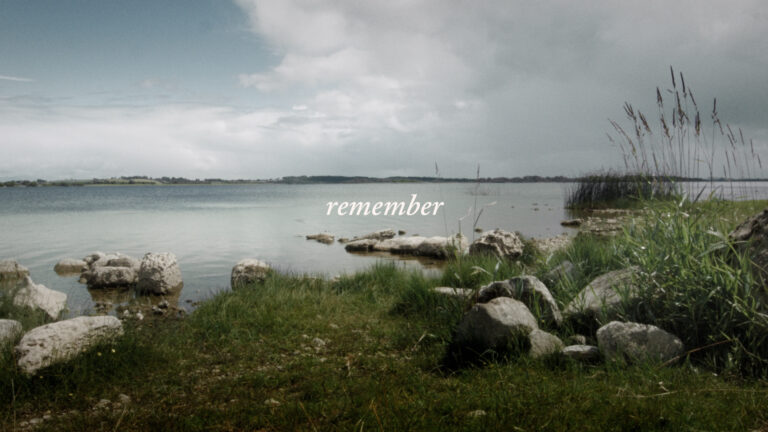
{"x": 324, "y": 238}
{"x": 64, "y": 340}
{"x": 637, "y": 343}
{"x": 37, "y": 296}
{"x": 108, "y": 276}
{"x": 70, "y": 266}
{"x": 159, "y": 273}
{"x": 503, "y": 244}
{"x": 434, "y": 247}
{"x": 249, "y": 271}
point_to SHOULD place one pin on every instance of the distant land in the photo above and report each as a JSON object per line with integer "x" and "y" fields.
{"x": 324, "y": 179}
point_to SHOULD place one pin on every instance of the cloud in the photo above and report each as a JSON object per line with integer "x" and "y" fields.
{"x": 14, "y": 78}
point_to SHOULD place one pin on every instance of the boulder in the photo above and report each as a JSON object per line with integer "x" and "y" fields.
{"x": 529, "y": 290}
{"x": 37, "y": 296}
{"x": 12, "y": 272}
{"x": 441, "y": 247}
{"x": 249, "y": 271}
{"x": 603, "y": 295}
{"x": 360, "y": 245}
{"x": 543, "y": 344}
{"x": 9, "y": 330}
{"x": 159, "y": 273}
{"x": 105, "y": 259}
{"x": 401, "y": 245}
{"x": 503, "y": 244}
{"x": 125, "y": 261}
{"x": 108, "y": 276}
{"x": 64, "y": 340}
{"x": 585, "y": 353}
{"x": 501, "y": 325}
{"x": 637, "y": 343}
{"x": 752, "y": 236}
{"x": 95, "y": 256}
{"x": 321, "y": 238}
{"x": 69, "y": 266}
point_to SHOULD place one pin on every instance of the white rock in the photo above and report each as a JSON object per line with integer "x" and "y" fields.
{"x": 361, "y": 245}
{"x": 107, "y": 276}
{"x": 248, "y": 271}
{"x": 95, "y": 256}
{"x": 604, "y": 294}
{"x": 503, "y": 244}
{"x": 64, "y": 340}
{"x": 377, "y": 235}
{"x": 159, "y": 273}
{"x": 529, "y": 290}
{"x": 125, "y": 261}
{"x": 543, "y": 344}
{"x": 321, "y": 238}
{"x": 37, "y": 296}
{"x": 11, "y": 271}
{"x": 9, "y": 329}
{"x": 70, "y": 266}
{"x": 493, "y": 326}
{"x": 635, "y": 342}
{"x": 454, "y": 292}
{"x": 582, "y": 352}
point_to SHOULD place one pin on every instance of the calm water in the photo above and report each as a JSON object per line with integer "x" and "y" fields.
{"x": 210, "y": 228}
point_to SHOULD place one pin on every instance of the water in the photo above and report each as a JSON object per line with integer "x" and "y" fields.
{"x": 210, "y": 228}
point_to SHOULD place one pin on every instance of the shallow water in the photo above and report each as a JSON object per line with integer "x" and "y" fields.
{"x": 210, "y": 228}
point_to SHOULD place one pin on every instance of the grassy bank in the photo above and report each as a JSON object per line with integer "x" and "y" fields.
{"x": 365, "y": 352}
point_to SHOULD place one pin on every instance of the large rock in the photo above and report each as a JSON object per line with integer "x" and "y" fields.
{"x": 400, "y": 245}
{"x": 11, "y": 272}
{"x": 501, "y": 325}
{"x": 529, "y": 290}
{"x": 9, "y": 330}
{"x": 637, "y": 343}
{"x": 441, "y": 247}
{"x": 64, "y": 340}
{"x": 37, "y": 296}
{"x": 108, "y": 276}
{"x": 543, "y": 344}
{"x": 159, "y": 273}
{"x": 125, "y": 261}
{"x": 377, "y": 235}
{"x": 93, "y": 257}
{"x": 69, "y": 266}
{"x": 752, "y": 236}
{"x": 249, "y": 271}
{"x": 503, "y": 244}
{"x": 361, "y": 245}
{"x": 601, "y": 297}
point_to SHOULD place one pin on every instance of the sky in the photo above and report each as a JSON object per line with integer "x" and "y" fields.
{"x": 265, "y": 89}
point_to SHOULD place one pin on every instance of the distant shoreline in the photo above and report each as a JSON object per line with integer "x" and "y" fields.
{"x": 299, "y": 180}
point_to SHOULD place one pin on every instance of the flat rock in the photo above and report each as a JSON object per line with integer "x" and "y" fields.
{"x": 324, "y": 238}
{"x": 503, "y": 244}
{"x": 637, "y": 343}
{"x": 37, "y": 296}
{"x": 360, "y": 245}
{"x": 69, "y": 266}
{"x": 159, "y": 273}
{"x": 377, "y": 235}
{"x": 604, "y": 294}
{"x": 9, "y": 330}
{"x": 585, "y": 353}
{"x": 543, "y": 344}
{"x": 454, "y": 292}
{"x": 64, "y": 340}
{"x": 248, "y": 271}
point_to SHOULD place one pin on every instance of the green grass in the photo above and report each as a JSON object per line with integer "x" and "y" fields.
{"x": 385, "y": 336}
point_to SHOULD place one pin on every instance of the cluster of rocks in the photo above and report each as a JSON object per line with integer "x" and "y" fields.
{"x": 155, "y": 273}
{"x": 513, "y": 316}
{"x": 16, "y": 282}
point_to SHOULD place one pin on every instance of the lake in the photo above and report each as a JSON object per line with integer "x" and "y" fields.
{"x": 210, "y": 228}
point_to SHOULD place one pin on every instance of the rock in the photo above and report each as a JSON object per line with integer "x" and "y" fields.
{"x": 476, "y": 413}
{"x": 564, "y": 270}
{"x": 478, "y": 230}
{"x": 501, "y": 325}
{"x": 377, "y": 235}
{"x": 503, "y": 244}
{"x": 572, "y": 222}
{"x": 249, "y": 271}
{"x": 125, "y": 261}
{"x": 463, "y": 293}
{"x": 92, "y": 258}
{"x": 105, "y": 259}
{"x": 318, "y": 343}
{"x": 550, "y": 245}
{"x": 68, "y": 266}
{"x": 343, "y": 240}
{"x": 401, "y": 245}
{"x": 441, "y": 247}
{"x": 578, "y": 339}
{"x": 159, "y": 273}
{"x": 37, "y": 296}
{"x": 321, "y": 238}
{"x": 529, "y": 290}
{"x": 11, "y": 272}
{"x": 64, "y": 340}
{"x": 361, "y": 245}
{"x": 107, "y": 276}
{"x": 637, "y": 343}
{"x": 604, "y": 294}
{"x": 272, "y": 403}
{"x": 752, "y": 236}
{"x": 543, "y": 344}
{"x": 9, "y": 330}
{"x": 123, "y": 399}
{"x": 585, "y": 353}
{"x": 401, "y": 232}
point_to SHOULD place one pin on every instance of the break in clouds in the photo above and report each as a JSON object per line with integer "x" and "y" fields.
{"x": 391, "y": 88}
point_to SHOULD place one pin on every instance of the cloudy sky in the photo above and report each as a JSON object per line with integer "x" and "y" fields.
{"x": 269, "y": 88}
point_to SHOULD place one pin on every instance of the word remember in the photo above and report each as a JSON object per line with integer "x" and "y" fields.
{"x": 390, "y": 208}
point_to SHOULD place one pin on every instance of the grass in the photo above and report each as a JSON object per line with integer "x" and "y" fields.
{"x": 252, "y": 359}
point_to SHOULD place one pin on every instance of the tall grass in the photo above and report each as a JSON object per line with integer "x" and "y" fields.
{"x": 619, "y": 190}
{"x": 681, "y": 148}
